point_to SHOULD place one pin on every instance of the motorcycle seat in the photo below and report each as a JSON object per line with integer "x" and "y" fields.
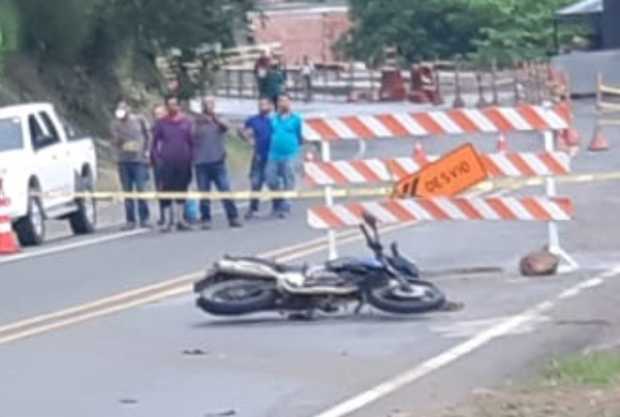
{"x": 276, "y": 266}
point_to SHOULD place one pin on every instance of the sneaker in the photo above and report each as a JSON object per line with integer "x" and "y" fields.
{"x": 128, "y": 227}
{"x": 146, "y": 225}
{"x": 235, "y": 224}
{"x": 251, "y": 214}
{"x": 206, "y": 225}
{"x": 183, "y": 227}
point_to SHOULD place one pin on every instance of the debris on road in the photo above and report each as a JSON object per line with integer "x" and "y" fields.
{"x": 128, "y": 401}
{"x": 227, "y": 413}
{"x": 195, "y": 352}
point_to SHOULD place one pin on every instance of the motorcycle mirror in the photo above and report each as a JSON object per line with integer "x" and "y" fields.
{"x": 370, "y": 220}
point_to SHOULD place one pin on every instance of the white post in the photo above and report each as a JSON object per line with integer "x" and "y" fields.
{"x": 552, "y": 228}
{"x": 329, "y": 202}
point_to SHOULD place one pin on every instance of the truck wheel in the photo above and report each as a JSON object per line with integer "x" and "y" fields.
{"x": 84, "y": 220}
{"x": 31, "y": 228}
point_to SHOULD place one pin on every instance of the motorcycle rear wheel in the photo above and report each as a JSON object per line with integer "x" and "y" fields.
{"x": 238, "y": 297}
{"x": 399, "y": 301}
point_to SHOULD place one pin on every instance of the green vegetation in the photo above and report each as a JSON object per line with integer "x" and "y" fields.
{"x": 600, "y": 369}
{"x": 506, "y": 30}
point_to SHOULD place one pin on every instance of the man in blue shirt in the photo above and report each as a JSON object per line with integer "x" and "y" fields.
{"x": 257, "y": 130}
{"x": 286, "y": 142}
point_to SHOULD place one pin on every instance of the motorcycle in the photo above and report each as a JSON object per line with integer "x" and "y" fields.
{"x": 391, "y": 283}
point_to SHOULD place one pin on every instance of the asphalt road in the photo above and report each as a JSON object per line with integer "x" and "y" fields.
{"x": 104, "y": 325}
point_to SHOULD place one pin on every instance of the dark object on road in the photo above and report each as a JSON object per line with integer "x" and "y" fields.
{"x": 128, "y": 401}
{"x": 238, "y": 286}
{"x": 227, "y": 413}
{"x": 195, "y": 352}
{"x": 539, "y": 264}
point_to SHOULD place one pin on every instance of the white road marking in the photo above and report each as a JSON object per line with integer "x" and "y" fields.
{"x": 451, "y": 355}
{"x": 466, "y": 329}
{"x": 70, "y": 246}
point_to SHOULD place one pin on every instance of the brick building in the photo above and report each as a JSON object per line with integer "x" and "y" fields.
{"x": 301, "y": 28}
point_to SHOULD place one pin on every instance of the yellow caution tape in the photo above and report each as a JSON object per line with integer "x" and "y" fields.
{"x": 386, "y": 191}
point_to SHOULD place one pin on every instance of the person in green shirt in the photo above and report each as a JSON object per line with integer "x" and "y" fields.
{"x": 272, "y": 85}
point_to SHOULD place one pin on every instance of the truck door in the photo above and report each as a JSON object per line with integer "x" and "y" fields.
{"x": 47, "y": 160}
{"x": 63, "y": 161}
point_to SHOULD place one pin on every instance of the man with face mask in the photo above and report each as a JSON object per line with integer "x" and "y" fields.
{"x": 172, "y": 151}
{"x": 210, "y": 136}
{"x": 130, "y": 137}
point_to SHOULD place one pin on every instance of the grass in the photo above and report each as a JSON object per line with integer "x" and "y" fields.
{"x": 597, "y": 369}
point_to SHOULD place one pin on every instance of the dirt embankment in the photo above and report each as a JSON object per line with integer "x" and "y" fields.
{"x": 579, "y": 386}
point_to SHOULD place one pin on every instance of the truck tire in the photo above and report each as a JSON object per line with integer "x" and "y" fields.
{"x": 31, "y": 228}
{"x": 84, "y": 220}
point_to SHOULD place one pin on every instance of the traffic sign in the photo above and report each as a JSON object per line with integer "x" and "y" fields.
{"x": 452, "y": 174}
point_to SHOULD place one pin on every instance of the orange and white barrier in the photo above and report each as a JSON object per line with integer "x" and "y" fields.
{"x": 453, "y": 122}
{"x": 541, "y": 209}
{"x": 369, "y": 171}
{"x": 546, "y": 120}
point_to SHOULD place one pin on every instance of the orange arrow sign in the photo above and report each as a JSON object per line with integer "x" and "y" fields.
{"x": 451, "y": 175}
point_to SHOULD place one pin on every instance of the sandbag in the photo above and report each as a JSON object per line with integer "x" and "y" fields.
{"x": 539, "y": 264}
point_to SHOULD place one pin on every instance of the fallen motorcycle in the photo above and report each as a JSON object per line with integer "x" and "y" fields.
{"x": 391, "y": 283}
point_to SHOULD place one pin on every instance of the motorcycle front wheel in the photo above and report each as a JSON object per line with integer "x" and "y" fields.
{"x": 238, "y": 297}
{"x": 420, "y": 297}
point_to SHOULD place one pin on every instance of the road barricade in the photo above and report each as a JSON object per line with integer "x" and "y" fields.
{"x": 546, "y": 120}
{"x": 372, "y": 171}
{"x": 608, "y": 113}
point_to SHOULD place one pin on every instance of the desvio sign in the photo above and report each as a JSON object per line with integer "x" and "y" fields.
{"x": 451, "y": 175}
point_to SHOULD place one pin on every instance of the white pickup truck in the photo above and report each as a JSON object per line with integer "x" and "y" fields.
{"x": 42, "y": 161}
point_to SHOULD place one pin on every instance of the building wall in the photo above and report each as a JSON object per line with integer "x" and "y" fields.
{"x": 311, "y": 32}
{"x": 611, "y": 26}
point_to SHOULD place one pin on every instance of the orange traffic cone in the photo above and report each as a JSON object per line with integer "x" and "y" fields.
{"x": 8, "y": 242}
{"x": 599, "y": 141}
{"x": 561, "y": 143}
{"x": 571, "y": 137}
{"x": 502, "y": 144}
{"x": 419, "y": 154}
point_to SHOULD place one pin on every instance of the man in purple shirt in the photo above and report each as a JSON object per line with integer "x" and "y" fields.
{"x": 172, "y": 152}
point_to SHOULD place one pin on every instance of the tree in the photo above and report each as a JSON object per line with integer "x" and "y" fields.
{"x": 54, "y": 30}
{"x": 519, "y": 30}
{"x": 423, "y": 29}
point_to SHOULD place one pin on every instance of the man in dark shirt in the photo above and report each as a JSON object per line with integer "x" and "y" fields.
{"x": 210, "y": 135}
{"x": 257, "y": 130}
{"x": 172, "y": 152}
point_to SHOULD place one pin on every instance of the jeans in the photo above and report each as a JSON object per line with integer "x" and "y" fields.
{"x": 207, "y": 175}
{"x": 258, "y": 179}
{"x": 134, "y": 176}
{"x": 281, "y": 177}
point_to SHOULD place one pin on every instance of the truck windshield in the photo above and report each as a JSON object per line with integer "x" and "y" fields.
{"x": 10, "y": 134}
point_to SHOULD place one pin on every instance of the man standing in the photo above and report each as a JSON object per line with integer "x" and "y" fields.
{"x": 261, "y": 68}
{"x": 307, "y": 72}
{"x": 210, "y": 133}
{"x": 130, "y": 135}
{"x": 172, "y": 152}
{"x": 257, "y": 130}
{"x": 274, "y": 83}
{"x": 286, "y": 141}
{"x": 159, "y": 112}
